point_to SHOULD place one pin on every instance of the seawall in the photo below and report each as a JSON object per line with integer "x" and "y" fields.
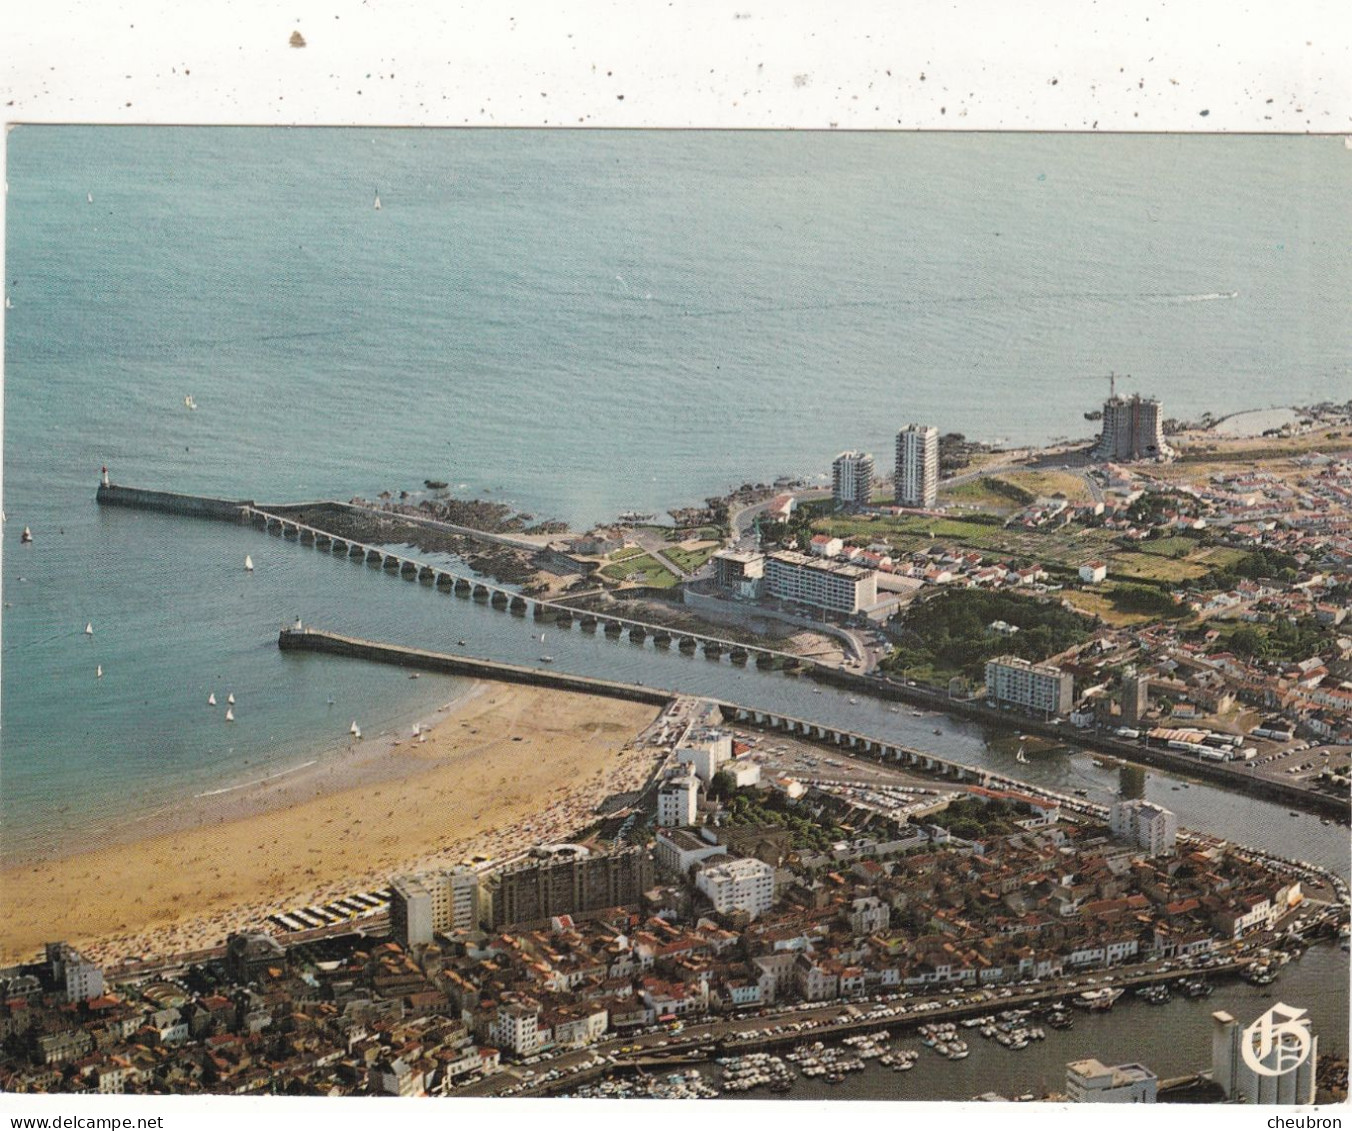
{"x": 193, "y": 506}
{"x": 334, "y": 644}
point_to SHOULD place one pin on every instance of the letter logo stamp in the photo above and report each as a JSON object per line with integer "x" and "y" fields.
{"x": 1288, "y": 1038}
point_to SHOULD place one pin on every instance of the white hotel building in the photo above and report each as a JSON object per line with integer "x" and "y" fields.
{"x": 744, "y": 884}
{"x": 917, "y": 471}
{"x": 791, "y": 576}
{"x": 1145, "y": 825}
{"x": 1042, "y": 688}
{"x": 852, "y": 478}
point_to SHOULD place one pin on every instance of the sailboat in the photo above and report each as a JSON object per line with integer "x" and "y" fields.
{"x": 353, "y": 728}
{"x": 26, "y": 536}
{"x": 1020, "y": 758}
{"x": 188, "y": 402}
{"x": 98, "y": 672}
{"x": 356, "y": 733}
{"x": 89, "y": 198}
{"x": 377, "y": 204}
{"x": 89, "y": 628}
{"x": 229, "y": 715}
{"x": 211, "y": 699}
{"x": 248, "y": 564}
{"x": 230, "y": 698}
{"x": 9, "y": 304}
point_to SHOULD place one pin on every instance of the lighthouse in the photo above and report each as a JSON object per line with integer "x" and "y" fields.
{"x": 105, "y": 477}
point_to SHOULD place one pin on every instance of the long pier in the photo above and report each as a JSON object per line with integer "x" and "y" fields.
{"x": 334, "y": 644}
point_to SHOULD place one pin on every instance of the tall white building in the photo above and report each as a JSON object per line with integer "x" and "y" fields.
{"x": 791, "y": 576}
{"x": 1090, "y": 1081}
{"x": 422, "y": 905}
{"x": 677, "y": 802}
{"x": 917, "y": 472}
{"x": 743, "y": 884}
{"x": 1043, "y": 688}
{"x": 1145, "y": 825}
{"x": 704, "y": 750}
{"x": 80, "y": 978}
{"x": 852, "y": 478}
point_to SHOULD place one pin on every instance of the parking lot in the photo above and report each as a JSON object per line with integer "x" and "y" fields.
{"x": 1300, "y": 762}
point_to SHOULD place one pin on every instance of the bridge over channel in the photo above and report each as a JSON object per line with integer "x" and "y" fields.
{"x": 502, "y": 598}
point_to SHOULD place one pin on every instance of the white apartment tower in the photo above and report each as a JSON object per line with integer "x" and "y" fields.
{"x": 1145, "y": 824}
{"x": 917, "y": 473}
{"x": 677, "y": 802}
{"x": 852, "y": 478}
{"x": 743, "y": 884}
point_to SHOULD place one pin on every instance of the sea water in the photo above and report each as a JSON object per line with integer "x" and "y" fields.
{"x": 573, "y": 323}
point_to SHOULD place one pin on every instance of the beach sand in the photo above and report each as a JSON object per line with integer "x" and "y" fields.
{"x": 502, "y": 757}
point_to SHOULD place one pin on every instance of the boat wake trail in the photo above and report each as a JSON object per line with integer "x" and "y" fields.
{"x": 256, "y": 781}
{"x": 1211, "y": 297}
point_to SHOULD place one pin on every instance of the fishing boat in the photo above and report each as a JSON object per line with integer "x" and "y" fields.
{"x": 248, "y": 564}
{"x": 460, "y": 643}
{"x": 211, "y": 699}
{"x": 546, "y": 659}
{"x": 1098, "y": 1000}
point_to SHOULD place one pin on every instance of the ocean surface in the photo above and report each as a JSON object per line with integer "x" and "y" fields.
{"x": 577, "y": 323}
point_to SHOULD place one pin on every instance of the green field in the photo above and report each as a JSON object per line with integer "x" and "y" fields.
{"x": 626, "y": 553}
{"x": 690, "y": 560}
{"x": 641, "y": 569}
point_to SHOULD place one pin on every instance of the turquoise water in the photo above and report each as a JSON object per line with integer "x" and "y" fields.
{"x": 577, "y": 323}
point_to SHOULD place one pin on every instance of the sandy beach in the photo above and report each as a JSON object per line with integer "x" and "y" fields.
{"x": 500, "y": 759}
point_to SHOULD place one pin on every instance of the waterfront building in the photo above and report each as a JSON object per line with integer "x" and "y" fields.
{"x": 852, "y": 479}
{"x": 742, "y": 884}
{"x": 678, "y": 850}
{"x": 79, "y": 978}
{"x": 839, "y": 588}
{"x": 741, "y": 571}
{"x": 1042, "y": 688}
{"x": 567, "y": 885}
{"x": 677, "y": 802}
{"x": 1089, "y": 1081}
{"x": 917, "y": 469}
{"x": 1290, "y": 1082}
{"x": 1133, "y": 429}
{"x": 704, "y": 749}
{"x": 1145, "y": 825}
{"x": 423, "y": 905}
{"x": 516, "y": 1027}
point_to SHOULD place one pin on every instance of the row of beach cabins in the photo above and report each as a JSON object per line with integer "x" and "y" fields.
{"x": 336, "y": 911}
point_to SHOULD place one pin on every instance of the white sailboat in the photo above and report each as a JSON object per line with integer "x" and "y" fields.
{"x": 89, "y": 198}
{"x": 229, "y": 715}
{"x": 353, "y": 728}
{"x": 230, "y": 698}
{"x": 9, "y": 303}
{"x": 98, "y": 672}
{"x": 89, "y": 628}
{"x": 1020, "y": 758}
{"x": 377, "y": 204}
{"x": 188, "y": 402}
{"x": 356, "y": 733}
{"x": 211, "y": 699}
{"x": 26, "y": 536}
{"x": 248, "y": 564}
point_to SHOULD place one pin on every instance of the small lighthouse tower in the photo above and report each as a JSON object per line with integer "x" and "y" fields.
{"x": 105, "y": 477}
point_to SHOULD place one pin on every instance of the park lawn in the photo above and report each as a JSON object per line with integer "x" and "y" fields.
{"x": 641, "y": 569}
{"x": 1177, "y": 546}
{"x": 626, "y": 553}
{"x": 977, "y": 494}
{"x": 1150, "y": 567}
{"x": 689, "y": 556}
{"x": 1044, "y": 484}
{"x": 1096, "y": 602}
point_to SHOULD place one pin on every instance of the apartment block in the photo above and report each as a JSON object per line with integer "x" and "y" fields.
{"x": 1041, "y": 688}
{"x": 917, "y": 467}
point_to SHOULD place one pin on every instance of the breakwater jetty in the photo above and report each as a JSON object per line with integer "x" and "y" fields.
{"x": 334, "y": 644}
{"x": 171, "y": 502}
